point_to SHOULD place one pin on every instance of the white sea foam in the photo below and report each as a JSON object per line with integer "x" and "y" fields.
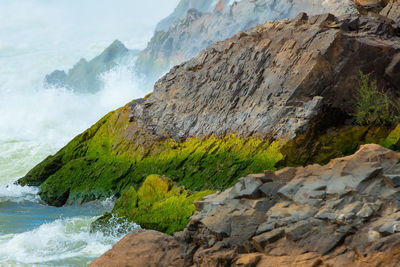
{"x": 62, "y": 242}
{"x": 17, "y": 193}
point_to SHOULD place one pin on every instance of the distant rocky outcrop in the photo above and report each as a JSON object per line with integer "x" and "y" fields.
{"x": 181, "y": 10}
{"x": 84, "y": 76}
{"x": 199, "y": 28}
{"x": 345, "y": 213}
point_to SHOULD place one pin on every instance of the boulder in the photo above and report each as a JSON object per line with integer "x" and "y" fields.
{"x": 143, "y": 248}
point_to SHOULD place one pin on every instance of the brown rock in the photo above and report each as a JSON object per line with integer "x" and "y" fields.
{"x": 365, "y": 6}
{"x": 143, "y": 248}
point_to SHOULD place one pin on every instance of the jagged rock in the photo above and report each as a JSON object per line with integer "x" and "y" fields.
{"x": 188, "y": 35}
{"x": 265, "y": 227}
{"x": 84, "y": 76}
{"x": 246, "y": 187}
{"x": 262, "y": 82}
{"x": 260, "y": 241}
{"x": 353, "y": 229}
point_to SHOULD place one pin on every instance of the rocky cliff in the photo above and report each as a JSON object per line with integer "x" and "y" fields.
{"x": 342, "y": 214}
{"x": 213, "y": 118}
{"x": 199, "y": 28}
{"x": 181, "y": 10}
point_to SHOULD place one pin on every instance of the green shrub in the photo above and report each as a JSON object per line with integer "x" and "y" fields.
{"x": 372, "y": 106}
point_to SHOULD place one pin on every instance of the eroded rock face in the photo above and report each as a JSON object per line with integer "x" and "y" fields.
{"x": 274, "y": 79}
{"x": 342, "y": 214}
{"x": 201, "y": 27}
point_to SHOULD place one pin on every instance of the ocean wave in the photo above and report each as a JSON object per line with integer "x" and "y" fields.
{"x": 63, "y": 242}
{"x": 17, "y": 193}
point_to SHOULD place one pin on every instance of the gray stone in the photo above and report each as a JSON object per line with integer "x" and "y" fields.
{"x": 270, "y": 189}
{"x": 389, "y": 228}
{"x": 265, "y": 227}
{"x": 366, "y": 211}
{"x": 393, "y": 180}
{"x": 260, "y": 241}
{"x": 298, "y": 230}
{"x": 246, "y": 187}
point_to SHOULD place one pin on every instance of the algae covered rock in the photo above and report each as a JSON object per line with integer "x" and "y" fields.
{"x": 84, "y": 77}
{"x": 115, "y": 153}
{"x": 159, "y": 204}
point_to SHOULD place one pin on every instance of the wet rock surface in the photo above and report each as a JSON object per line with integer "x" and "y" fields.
{"x": 305, "y": 224}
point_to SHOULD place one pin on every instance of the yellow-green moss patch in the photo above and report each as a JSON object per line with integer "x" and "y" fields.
{"x": 159, "y": 204}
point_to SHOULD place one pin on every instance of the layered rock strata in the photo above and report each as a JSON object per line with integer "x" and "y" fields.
{"x": 345, "y": 213}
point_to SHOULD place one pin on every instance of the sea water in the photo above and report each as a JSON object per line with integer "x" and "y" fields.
{"x": 37, "y": 37}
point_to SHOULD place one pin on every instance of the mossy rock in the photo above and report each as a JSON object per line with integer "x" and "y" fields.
{"x": 334, "y": 142}
{"x": 159, "y": 204}
{"x": 114, "y": 154}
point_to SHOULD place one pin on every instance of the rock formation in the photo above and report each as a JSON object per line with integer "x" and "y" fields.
{"x": 181, "y": 10}
{"x": 272, "y": 80}
{"x": 199, "y": 28}
{"x": 345, "y": 213}
{"x": 84, "y": 76}
{"x": 212, "y": 119}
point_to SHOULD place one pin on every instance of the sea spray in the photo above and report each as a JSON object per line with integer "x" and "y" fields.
{"x": 38, "y": 37}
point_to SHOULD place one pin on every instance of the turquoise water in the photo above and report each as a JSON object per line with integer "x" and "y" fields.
{"x": 34, "y": 234}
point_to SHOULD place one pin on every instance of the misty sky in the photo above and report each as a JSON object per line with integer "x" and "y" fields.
{"x": 44, "y": 22}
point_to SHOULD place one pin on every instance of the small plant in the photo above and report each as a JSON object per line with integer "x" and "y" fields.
{"x": 372, "y": 106}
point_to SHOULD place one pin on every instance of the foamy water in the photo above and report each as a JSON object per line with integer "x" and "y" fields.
{"x": 37, "y": 37}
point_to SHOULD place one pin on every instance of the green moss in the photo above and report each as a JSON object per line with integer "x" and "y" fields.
{"x": 393, "y": 140}
{"x": 320, "y": 148}
{"x": 113, "y": 155}
{"x": 148, "y": 95}
{"x": 159, "y": 204}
